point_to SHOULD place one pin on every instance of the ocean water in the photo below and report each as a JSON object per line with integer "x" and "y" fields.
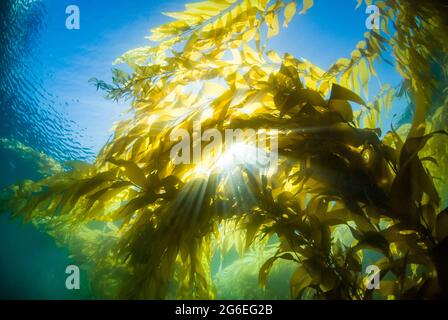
{"x": 48, "y": 106}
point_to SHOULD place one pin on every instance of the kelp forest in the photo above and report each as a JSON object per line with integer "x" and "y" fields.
{"x": 346, "y": 191}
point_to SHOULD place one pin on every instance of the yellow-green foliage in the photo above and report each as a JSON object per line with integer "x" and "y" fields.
{"x": 436, "y": 152}
{"x": 147, "y": 228}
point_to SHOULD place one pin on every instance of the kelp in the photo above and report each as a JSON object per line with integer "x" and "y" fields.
{"x": 247, "y": 288}
{"x": 148, "y": 229}
{"x": 44, "y": 163}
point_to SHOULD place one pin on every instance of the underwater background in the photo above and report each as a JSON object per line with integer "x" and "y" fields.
{"x": 48, "y": 107}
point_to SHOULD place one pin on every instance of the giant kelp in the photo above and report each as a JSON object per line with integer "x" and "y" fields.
{"x": 45, "y": 165}
{"x": 147, "y": 228}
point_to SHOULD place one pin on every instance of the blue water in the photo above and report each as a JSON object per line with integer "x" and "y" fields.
{"x": 47, "y": 104}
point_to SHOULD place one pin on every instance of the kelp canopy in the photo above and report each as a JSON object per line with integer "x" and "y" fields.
{"x": 146, "y": 228}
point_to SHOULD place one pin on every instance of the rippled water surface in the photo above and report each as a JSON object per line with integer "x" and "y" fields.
{"x": 29, "y": 111}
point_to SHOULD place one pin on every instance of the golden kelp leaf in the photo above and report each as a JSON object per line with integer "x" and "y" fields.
{"x": 249, "y": 34}
{"x": 341, "y": 64}
{"x": 250, "y": 56}
{"x": 259, "y": 4}
{"x": 207, "y": 8}
{"x": 312, "y": 97}
{"x": 189, "y": 18}
{"x": 170, "y": 29}
{"x": 273, "y": 25}
{"x": 290, "y": 11}
{"x": 341, "y": 93}
{"x": 300, "y": 280}
{"x": 136, "y": 204}
{"x": 135, "y": 57}
{"x": 108, "y": 192}
{"x": 264, "y": 271}
{"x": 364, "y": 75}
{"x": 132, "y": 171}
{"x": 213, "y": 89}
{"x": 307, "y": 4}
{"x": 91, "y": 184}
{"x": 274, "y": 57}
{"x": 413, "y": 145}
{"x": 342, "y": 107}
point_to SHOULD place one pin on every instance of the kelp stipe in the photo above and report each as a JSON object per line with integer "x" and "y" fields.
{"x": 148, "y": 229}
